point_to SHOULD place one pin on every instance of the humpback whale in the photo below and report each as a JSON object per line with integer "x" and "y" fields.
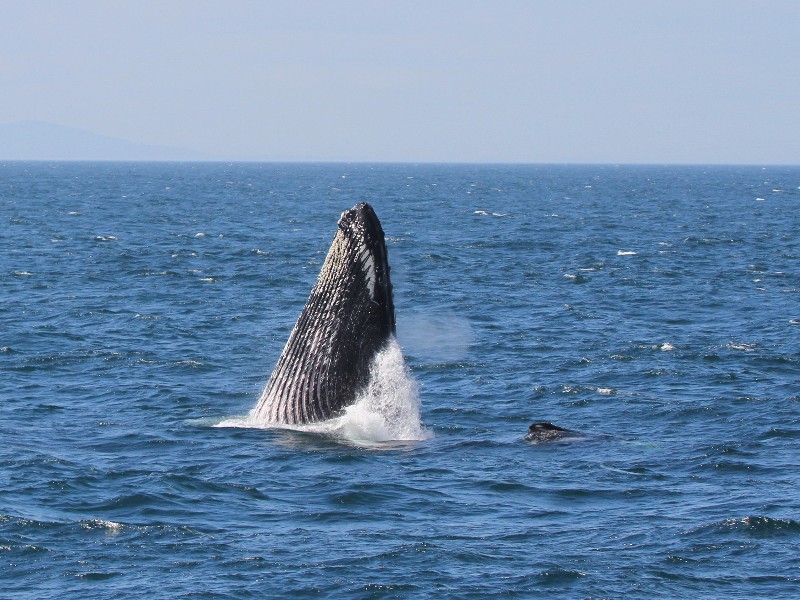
{"x": 544, "y": 431}
{"x": 547, "y": 432}
{"x": 347, "y": 320}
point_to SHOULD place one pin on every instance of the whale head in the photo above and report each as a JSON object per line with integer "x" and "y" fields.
{"x": 347, "y": 320}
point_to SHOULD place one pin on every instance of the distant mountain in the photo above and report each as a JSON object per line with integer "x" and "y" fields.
{"x": 35, "y": 140}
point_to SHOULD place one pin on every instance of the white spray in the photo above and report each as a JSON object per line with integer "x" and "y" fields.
{"x": 388, "y": 409}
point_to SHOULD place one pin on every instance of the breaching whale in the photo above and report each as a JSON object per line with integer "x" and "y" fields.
{"x": 347, "y": 320}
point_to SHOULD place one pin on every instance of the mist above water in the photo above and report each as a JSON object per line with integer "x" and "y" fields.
{"x": 435, "y": 337}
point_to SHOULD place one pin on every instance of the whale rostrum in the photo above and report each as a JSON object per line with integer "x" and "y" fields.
{"x": 347, "y": 320}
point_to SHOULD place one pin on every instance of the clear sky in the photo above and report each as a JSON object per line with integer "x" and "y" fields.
{"x": 621, "y": 81}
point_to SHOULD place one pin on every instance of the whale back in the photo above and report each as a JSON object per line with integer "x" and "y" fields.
{"x": 346, "y": 321}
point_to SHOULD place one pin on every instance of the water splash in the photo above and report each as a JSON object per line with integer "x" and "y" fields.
{"x": 386, "y": 410}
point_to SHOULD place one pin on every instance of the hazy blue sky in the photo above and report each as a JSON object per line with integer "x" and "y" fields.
{"x": 484, "y": 80}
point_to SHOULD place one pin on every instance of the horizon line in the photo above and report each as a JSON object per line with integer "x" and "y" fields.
{"x": 396, "y": 162}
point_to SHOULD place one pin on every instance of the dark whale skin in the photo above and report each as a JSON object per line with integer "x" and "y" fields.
{"x": 544, "y": 431}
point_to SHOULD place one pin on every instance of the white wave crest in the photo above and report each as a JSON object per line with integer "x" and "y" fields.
{"x": 386, "y": 410}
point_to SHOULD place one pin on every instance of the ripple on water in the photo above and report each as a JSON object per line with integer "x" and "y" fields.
{"x": 119, "y": 356}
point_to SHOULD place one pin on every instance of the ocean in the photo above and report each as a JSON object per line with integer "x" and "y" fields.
{"x": 655, "y": 309}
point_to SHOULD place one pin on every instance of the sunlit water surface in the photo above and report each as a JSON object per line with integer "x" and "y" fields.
{"x": 655, "y": 309}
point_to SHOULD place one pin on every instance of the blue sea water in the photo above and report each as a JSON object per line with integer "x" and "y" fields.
{"x": 655, "y": 308}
